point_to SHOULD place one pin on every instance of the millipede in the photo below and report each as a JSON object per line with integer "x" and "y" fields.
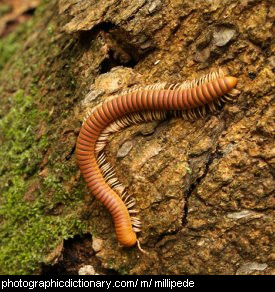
{"x": 190, "y": 99}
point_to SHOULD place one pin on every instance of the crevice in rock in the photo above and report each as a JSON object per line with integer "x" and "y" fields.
{"x": 87, "y": 36}
{"x": 214, "y": 155}
{"x": 29, "y": 12}
{"x": 114, "y": 60}
{"x": 69, "y": 155}
{"x": 117, "y": 45}
{"x": 163, "y": 235}
{"x": 77, "y": 252}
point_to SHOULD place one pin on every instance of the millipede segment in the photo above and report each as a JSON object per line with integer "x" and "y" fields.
{"x": 192, "y": 98}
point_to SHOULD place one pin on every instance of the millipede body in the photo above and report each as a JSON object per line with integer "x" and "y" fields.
{"x": 191, "y": 98}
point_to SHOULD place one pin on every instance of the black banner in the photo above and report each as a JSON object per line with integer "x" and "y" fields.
{"x": 46, "y": 283}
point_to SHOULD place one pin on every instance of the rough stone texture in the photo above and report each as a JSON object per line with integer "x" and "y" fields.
{"x": 204, "y": 188}
{"x": 86, "y": 270}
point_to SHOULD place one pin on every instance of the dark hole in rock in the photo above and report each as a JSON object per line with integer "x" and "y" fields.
{"x": 120, "y": 48}
{"x": 252, "y": 75}
{"x": 76, "y": 253}
{"x": 113, "y": 61}
{"x": 30, "y": 11}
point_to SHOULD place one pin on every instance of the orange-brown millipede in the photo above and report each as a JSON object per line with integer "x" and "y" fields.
{"x": 192, "y": 98}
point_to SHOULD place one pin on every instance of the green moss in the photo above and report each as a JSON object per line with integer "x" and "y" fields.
{"x": 50, "y": 30}
{"x": 111, "y": 263}
{"x": 41, "y": 201}
{"x": 18, "y": 130}
{"x": 7, "y": 48}
{"x": 4, "y": 9}
{"x": 188, "y": 169}
{"x": 123, "y": 271}
{"x": 12, "y": 42}
{"x": 28, "y": 230}
{"x": 24, "y": 249}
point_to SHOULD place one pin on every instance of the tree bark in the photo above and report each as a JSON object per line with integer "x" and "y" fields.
{"x": 204, "y": 188}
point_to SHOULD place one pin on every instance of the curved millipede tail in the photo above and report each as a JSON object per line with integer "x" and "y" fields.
{"x": 143, "y": 104}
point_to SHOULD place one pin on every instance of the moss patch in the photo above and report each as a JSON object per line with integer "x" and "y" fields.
{"x": 10, "y": 44}
{"x": 4, "y": 9}
{"x": 41, "y": 198}
{"x": 28, "y": 230}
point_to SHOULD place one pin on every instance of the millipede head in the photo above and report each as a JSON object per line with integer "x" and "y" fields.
{"x": 206, "y": 94}
{"x": 230, "y": 82}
